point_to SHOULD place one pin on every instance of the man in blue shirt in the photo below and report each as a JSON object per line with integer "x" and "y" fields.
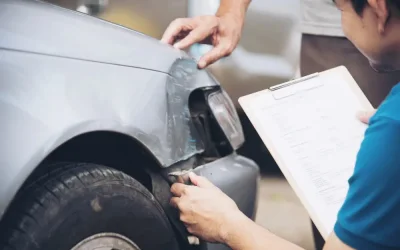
{"x": 370, "y": 216}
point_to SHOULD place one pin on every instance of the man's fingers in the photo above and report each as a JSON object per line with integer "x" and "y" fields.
{"x": 196, "y": 35}
{"x": 178, "y": 189}
{"x": 183, "y": 208}
{"x": 173, "y": 30}
{"x": 365, "y": 116}
{"x": 200, "y": 181}
{"x": 174, "y": 202}
{"x": 177, "y": 203}
{"x": 214, "y": 55}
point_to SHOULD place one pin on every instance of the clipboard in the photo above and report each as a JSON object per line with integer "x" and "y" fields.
{"x": 325, "y": 87}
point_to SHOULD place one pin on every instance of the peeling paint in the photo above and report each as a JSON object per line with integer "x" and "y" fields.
{"x": 178, "y": 89}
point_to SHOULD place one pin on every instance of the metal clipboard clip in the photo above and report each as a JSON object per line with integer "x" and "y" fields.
{"x": 292, "y": 87}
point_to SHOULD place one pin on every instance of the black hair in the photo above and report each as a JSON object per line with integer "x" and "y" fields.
{"x": 359, "y": 5}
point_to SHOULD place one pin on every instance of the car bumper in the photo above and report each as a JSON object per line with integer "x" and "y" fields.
{"x": 238, "y": 177}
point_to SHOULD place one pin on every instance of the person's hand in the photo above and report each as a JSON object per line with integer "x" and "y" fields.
{"x": 205, "y": 210}
{"x": 365, "y": 116}
{"x": 222, "y": 32}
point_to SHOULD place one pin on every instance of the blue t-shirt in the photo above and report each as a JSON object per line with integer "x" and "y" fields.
{"x": 370, "y": 216}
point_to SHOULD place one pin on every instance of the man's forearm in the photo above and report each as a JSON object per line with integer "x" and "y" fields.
{"x": 247, "y": 235}
{"x": 236, "y": 7}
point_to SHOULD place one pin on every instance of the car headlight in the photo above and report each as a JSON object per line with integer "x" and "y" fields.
{"x": 225, "y": 113}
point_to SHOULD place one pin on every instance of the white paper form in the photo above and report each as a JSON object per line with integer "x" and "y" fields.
{"x": 316, "y": 135}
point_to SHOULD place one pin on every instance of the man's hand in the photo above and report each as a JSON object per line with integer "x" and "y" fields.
{"x": 365, "y": 116}
{"x": 223, "y": 32}
{"x": 205, "y": 210}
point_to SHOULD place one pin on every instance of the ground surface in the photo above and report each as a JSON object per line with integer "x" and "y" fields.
{"x": 282, "y": 213}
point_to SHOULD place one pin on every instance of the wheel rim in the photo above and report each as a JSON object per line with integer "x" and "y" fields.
{"x": 106, "y": 241}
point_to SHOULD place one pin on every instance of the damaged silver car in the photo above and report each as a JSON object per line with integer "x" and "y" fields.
{"x": 97, "y": 122}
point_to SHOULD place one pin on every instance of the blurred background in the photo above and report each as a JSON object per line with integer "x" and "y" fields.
{"x": 268, "y": 54}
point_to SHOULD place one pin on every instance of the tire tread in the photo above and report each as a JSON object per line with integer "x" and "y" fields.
{"x": 48, "y": 190}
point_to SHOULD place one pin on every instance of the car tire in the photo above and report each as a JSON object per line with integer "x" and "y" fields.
{"x": 78, "y": 204}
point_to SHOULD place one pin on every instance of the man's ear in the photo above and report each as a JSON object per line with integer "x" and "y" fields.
{"x": 381, "y": 10}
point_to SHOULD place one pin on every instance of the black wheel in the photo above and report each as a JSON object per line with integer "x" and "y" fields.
{"x": 86, "y": 206}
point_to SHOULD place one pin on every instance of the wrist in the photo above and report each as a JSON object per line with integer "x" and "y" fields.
{"x": 233, "y": 227}
{"x": 235, "y": 13}
{"x": 236, "y": 8}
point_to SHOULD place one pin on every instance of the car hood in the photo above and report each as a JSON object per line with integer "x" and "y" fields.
{"x": 38, "y": 27}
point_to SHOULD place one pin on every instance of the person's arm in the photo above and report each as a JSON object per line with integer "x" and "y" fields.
{"x": 235, "y": 7}
{"x": 334, "y": 243}
{"x": 247, "y": 235}
{"x": 365, "y": 116}
{"x": 222, "y": 30}
{"x": 212, "y": 215}
{"x": 368, "y": 219}
{"x": 244, "y": 234}
{"x": 370, "y": 215}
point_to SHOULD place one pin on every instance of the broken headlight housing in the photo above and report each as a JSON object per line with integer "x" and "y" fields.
{"x": 225, "y": 114}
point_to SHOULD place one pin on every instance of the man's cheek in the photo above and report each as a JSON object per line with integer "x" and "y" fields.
{"x": 346, "y": 26}
{"x": 352, "y": 26}
{"x": 356, "y": 37}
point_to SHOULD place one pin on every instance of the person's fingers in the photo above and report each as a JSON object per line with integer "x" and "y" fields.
{"x": 365, "y": 116}
{"x": 190, "y": 229}
{"x": 200, "y": 181}
{"x": 181, "y": 205}
{"x": 185, "y": 218}
{"x": 196, "y": 35}
{"x": 173, "y": 30}
{"x": 174, "y": 202}
{"x": 178, "y": 189}
{"x": 215, "y": 54}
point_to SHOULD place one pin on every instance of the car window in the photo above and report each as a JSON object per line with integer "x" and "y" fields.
{"x": 150, "y": 17}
